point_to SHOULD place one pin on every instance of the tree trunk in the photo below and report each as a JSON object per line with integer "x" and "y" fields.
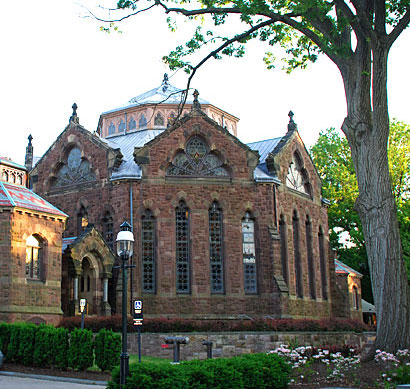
{"x": 367, "y": 128}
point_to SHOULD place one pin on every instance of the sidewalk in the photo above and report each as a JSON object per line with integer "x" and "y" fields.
{"x": 11, "y": 380}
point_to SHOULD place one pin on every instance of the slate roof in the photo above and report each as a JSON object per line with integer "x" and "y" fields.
{"x": 342, "y": 268}
{"x": 163, "y": 94}
{"x": 18, "y": 196}
{"x": 130, "y": 170}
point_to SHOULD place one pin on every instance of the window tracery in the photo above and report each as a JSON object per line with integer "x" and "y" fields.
{"x": 148, "y": 252}
{"x": 216, "y": 248}
{"x": 132, "y": 124}
{"x": 297, "y": 177}
{"x": 121, "y": 126}
{"x": 142, "y": 122}
{"x": 182, "y": 248}
{"x": 111, "y": 129}
{"x": 158, "y": 120}
{"x": 197, "y": 161}
{"x": 75, "y": 171}
{"x": 249, "y": 254}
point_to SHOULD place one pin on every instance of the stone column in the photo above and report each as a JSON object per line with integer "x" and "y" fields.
{"x": 73, "y": 308}
{"x": 105, "y": 306}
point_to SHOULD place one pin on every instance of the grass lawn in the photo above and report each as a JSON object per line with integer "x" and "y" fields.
{"x": 145, "y": 358}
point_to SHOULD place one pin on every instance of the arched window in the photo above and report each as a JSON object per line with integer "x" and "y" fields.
{"x": 82, "y": 220}
{"x": 142, "y": 122}
{"x": 34, "y": 258}
{"x": 148, "y": 252}
{"x": 171, "y": 119}
{"x": 88, "y": 283}
{"x": 82, "y": 284}
{"x": 297, "y": 177}
{"x": 216, "y": 248}
{"x": 296, "y": 252}
{"x": 108, "y": 229}
{"x": 132, "y": 124}
{"x": 12, "y": 178}
{"x": 197, "y": 161}
{"x": 20, "y": 179}
{"x": 249, "y": 255}
{"x": 121, "y": 126}
{"x": 310, "y": 259}
{"x": 75, "y": 171}
{"x": 284, "y": 248}
{"x": 111, "y": 129}
{"x": 5, "y": 176}
{"x": 355, "y": 298}
{"x": 322, "y": 260}
{"x": 182, "y": 248}
{"x": 159, "y": 120}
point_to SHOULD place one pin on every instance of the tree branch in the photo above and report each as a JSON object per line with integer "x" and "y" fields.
{"x": 122, "y": 18}
{"x": 404, "y": 22}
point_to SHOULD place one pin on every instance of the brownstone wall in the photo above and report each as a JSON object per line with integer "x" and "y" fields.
{"x": 161, "y": 194}
{"x": 22, "y": 298}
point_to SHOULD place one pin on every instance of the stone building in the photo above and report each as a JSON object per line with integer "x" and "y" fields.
{"x": 222, "y": 229}
{"x": 30, "y": 250}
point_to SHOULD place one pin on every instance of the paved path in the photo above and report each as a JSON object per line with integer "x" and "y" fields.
{"x": 9, "y": 380}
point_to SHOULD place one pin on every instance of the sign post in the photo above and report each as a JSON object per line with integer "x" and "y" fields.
{"x": 138, "y": 319}
{"x": 83, "y": 305}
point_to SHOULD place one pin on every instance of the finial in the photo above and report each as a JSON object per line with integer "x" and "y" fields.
{"x": 195, "y": 104}
{"x": 30, "y": 138}
{"x": 292, "y": 125}
{"x": 165, "y": 83}
{"x": 74, "y": 118}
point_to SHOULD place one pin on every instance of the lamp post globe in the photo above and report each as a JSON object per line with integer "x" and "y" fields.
{"x": 125, "y": 244}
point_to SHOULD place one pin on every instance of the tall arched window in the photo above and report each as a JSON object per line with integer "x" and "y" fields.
{"x": 296, "y": 252}
{"x": 148, "y": 252}
{"x": 249, "y": 255}
{"x": 216, "y": 248}
{"x": 34, "y": 258}
{"x": 5, "y": 176}
{"x": 108, "y": 229}
{"x": 355, "y": 298}
{"x": 284, "y": 248}
{"x": 158, "y": 120}
{"x": 182, "y": 229}
{"x": 142, "y": 122}
{"x": 310, "y": 258}
{"x": 322, "y": 260}
{"x": 121, "y": 126}
{"x": 111, "y": 129}
{"x": 132, "y": 124}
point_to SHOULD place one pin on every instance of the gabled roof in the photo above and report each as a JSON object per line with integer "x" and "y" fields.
{"x": 18, "y": 196}
{"x": 264, "y": 147}
{"x": 342, "y": 268}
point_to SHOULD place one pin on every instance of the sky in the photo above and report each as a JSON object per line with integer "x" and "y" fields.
{"x": 53, "y": 56}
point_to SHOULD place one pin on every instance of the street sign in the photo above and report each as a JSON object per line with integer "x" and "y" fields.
{"x": 83, "y": 303}
{"x": 137, "y": 315}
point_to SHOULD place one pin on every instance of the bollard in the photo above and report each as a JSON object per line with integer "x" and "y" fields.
{"x": 176, "y": 341}
{"x": 208, "y": 344}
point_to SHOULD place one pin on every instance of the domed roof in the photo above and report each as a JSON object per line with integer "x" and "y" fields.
{"x": 163, "y": 94}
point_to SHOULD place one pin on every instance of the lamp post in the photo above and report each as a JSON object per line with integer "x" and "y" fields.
{"x": 125, "y": 243}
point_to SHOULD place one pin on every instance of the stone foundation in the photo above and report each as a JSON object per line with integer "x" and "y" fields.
{"x": 229, "y": 344}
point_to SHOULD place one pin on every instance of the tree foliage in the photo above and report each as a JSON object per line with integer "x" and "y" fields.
{"x": 332, "y": 157}
{"x": 356, "y": 35}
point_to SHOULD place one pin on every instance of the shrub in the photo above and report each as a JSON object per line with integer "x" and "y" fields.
{"x": 5, "y": 329}
{"x": 252, "y": 371}
{"x": 13, "y": 347}
{"x": 107, "y": 349}
{"x": 44, "y": 347}
{"x": 81, "y": 350}
{"x": 61, "y": 347}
